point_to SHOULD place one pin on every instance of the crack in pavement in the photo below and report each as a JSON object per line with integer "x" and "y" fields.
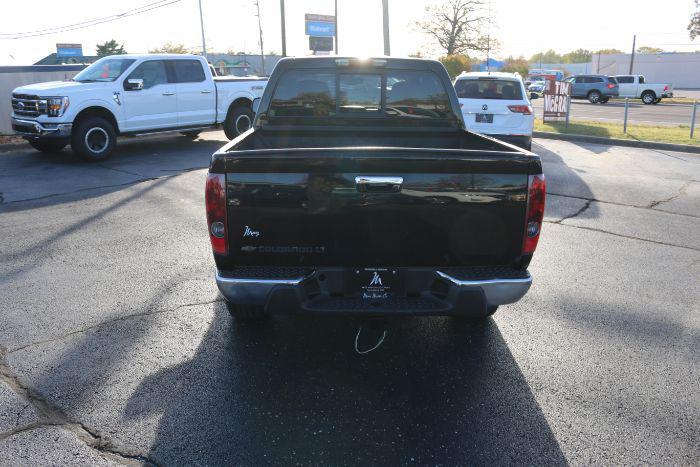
{"x": 683, "y": 190}
{"x": 648, "y": 207}
{"x": 577, "y": 213}
{"x": 631, "y": 237}
{"x": 50, "y": 415}
{"x": 112, "y": 321}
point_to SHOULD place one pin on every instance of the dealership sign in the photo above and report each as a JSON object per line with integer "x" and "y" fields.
{"x": 556, "y": 100}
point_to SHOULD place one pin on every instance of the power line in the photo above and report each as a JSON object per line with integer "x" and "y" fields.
{"x": 93, "y": 22}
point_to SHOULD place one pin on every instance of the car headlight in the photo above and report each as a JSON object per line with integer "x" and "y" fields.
{"x": 56, "y": 106}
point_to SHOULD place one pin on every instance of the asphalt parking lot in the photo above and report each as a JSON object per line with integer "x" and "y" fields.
{"x": 116, "y": 348}
{"x": 614, "y": 111}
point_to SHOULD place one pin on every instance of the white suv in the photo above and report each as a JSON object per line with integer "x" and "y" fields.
{"x": 496, "y": 104}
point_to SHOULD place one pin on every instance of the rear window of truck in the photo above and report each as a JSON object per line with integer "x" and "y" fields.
{"x": 391, "y": 93}
{"x": 488, "y": 88}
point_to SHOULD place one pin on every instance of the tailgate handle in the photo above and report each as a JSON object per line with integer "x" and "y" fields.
{"x": 371, "y": 184}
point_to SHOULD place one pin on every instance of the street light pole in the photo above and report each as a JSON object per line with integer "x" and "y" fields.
{"x": 634, "y": 44}
{"x": 385, "y": 15}
{"x": 336, "y": 27}
{"x": 284, "y": 33}
{"x": 201, "y": 23}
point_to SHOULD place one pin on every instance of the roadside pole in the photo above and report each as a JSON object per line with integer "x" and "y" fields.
{"x": 692, "y": 121}
{"x": 201, "y": 23}
{"x": 385, "y": 21}
{"x": 284, "y": 32}
{"x": 627, "y": 105}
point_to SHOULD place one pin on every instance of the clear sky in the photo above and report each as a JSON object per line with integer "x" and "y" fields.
{"x": 522, "y": 27}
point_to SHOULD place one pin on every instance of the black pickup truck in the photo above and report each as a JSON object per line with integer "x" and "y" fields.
{"x": 358, "y": 190}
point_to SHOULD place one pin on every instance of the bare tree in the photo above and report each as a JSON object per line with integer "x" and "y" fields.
{"x": 694, "y": 25}
{"x": 458, "y": 26}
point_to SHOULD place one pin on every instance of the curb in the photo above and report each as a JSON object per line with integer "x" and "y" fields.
{"x": 617, "y": 142}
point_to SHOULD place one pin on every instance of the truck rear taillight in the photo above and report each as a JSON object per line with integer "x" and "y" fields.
{"x": 215, "y": 199}
{"x": 521, "y": 109}
{"x": 611, "y": 85}
{"x": 666, "y": 87}
{"x": 536, "y": 194}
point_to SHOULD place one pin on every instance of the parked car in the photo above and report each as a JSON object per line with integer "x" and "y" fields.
{"x": 125, "y": 95}
{"x": 496, "y": 104}
{"x": 359, "y": 191}
{"x": 536, "y": 89}
{"x": 598, "y": 89}
{"x": 636, "y": 87}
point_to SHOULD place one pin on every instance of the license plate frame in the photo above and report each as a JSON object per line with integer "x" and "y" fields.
{"x": 483, "y": 118}
{"x": 376, "y": 283}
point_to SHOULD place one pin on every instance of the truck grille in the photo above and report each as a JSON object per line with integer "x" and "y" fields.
{"x": 28, "y": 106}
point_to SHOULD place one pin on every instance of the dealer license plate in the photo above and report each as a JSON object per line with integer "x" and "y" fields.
{"x": 376, "y": 283}
{"x": 484, "y": 118}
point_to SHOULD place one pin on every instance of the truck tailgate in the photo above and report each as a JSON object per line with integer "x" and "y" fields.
{"x": 374, "y": 206}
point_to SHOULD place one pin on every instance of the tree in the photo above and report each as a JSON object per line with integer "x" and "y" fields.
{"x": 170, "y": 48}
{"x": 516, "y": 65}
{"x": 456, "y": 64}
{"x": 111, "y": 47}
{"x": 694, "y": 25}
{"x": 649, "y": 50}
{"x": 608, "y": 51}
{"x": 577, "y": 56}
{"x": 550, "y": 56}
{"x": 457, "y": 26}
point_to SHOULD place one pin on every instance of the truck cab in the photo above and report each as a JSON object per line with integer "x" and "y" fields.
{"x": 131, "y": 95}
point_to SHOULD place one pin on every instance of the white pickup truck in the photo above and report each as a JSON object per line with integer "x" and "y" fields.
{"x": 636, "y": 87}
{"x": 132, "y": 95}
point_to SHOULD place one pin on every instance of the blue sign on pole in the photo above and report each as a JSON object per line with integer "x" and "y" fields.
{"x": 69, "y": 50}
{"x": 320, "y": 29}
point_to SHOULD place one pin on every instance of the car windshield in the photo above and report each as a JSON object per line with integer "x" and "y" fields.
{"x": 105, "y": 69}
{"x": 488, "y": 88}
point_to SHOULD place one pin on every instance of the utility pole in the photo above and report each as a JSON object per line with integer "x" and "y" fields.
{"x": 634, "y": 45}
{"x": 385, "y": 10}
{"x": 284, "y": 33}
{"x": 262, "y": 52}
{"x": 201, "y": 23}
{"x": 336, "y": 27}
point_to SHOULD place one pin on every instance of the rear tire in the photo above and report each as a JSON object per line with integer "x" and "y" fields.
{"x": 93, "y": 138}
{"x": 238, "y": 120}
{"x": 190, "y": 134}
{"x": 594, "y": 97}
{"x": 47, "y": 147}
{"x": 246, "y": 312}
{"x": 648, "y": 97}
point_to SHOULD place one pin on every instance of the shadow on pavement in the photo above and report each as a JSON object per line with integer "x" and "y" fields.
{"x": 566, "y": 189}
{"x": 292, "y": 390}
{"x": 29, "y": 178}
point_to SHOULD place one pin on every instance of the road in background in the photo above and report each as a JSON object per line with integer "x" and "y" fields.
{"x": 115, "y": 344}
{"x": 614, "y": 111}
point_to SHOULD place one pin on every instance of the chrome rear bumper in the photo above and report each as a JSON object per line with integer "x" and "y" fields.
{"x": 295, "y": 290}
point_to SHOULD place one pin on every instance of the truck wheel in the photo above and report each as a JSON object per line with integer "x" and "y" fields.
{"x": 238, "y": 121}
{"x": 648, "y": 97}
{"x": 594, "y": 97}
{"x": 190, "y": 134}
{"x": 246, "y": 312}
{"x": 93, "y": 138}
{"x": 48, "y": 147}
